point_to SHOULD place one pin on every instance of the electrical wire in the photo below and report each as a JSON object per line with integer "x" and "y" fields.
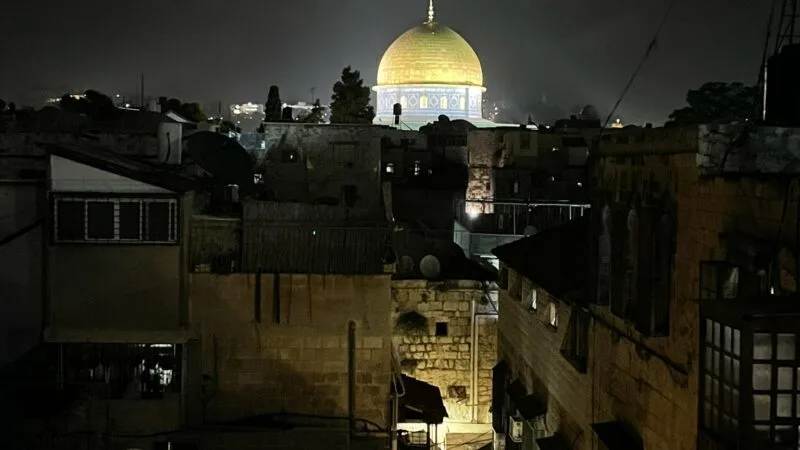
{"x": 650, "y": 47}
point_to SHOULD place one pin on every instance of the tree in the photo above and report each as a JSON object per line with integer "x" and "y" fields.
{"x": 716, "y": 102}
{"x": 350, "y": 100}
{"x": 93, "y": 104}
{"x": 2, "y": 105}
{"x": 193, "y": 112}
{"x": 316, "y": 115}
{"x": 286, "y": 115}
{"x": 273, "y": 108}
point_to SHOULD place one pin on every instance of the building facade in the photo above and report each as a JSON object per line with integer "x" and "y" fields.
{"x": 690, "y": 327}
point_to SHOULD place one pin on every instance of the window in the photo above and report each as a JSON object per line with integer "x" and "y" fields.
{"x": 417, "y": 168}
{"x": 604, "y": 257}
{"x": 349, "y": 195}
{"x": 443, "y": 102}
{"x": 423, "y": 102}
{"x": 462, "y": 103}
{"x": 534, "y": 298}
{"x": 390, "y": 168}
{"x": 576, "y": 348}
{"x": 720, "y": 384}
{"x": 441, "y": 329}
{"x": 552, "y": 310}
{"x": 115, "y": 220}
{"x": 654, "y": 272}
{"x": 718, "y": 280}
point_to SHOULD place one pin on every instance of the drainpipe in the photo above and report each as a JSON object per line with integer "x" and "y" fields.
{"x": 474, "y": 362}
{"x": 351, "y": 375}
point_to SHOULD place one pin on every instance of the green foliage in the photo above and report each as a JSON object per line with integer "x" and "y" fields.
{"x": 351, "y": 99}
{"x": 316, "y": 115}
{"x": 191, "y": 111}
{"x": 411, "y": 322}
{"x": 716, "y": 102}
{"x": 273, "y": 108}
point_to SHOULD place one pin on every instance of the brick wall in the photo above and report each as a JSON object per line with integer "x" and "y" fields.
{"x": 298, "y": 363}
{"x": 446, "y": 361}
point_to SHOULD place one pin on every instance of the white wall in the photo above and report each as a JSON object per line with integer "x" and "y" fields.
{"x": 70, "y": 176}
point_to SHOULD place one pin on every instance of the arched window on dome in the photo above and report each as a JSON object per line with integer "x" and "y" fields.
{"x": 443, "y": 102}
{"x": 423, "y": 102}
{"x": 462, "y": 103}
{"x": 403, "y": 101}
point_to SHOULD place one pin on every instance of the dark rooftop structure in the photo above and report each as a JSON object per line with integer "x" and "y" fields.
{"x": 553, "y": 259}
{"x": 107, "y": 160}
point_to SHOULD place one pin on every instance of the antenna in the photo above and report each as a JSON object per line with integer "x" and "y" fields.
{"x": 430, "y": 12}
{"x": 141, "y": 92}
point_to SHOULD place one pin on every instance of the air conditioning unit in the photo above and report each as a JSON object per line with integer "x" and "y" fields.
{"x": 515, "y": 429}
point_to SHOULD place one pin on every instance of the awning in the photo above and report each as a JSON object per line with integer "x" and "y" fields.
{"x": 618, "y": 435}
{"x": 421, "y": 402}
{"x": 528, "y": 405}
{"x": 554, "y": 442}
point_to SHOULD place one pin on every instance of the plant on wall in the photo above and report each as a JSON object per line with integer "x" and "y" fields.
{"x": 411, "y": 322}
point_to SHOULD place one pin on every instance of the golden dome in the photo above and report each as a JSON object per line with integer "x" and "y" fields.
{"x": 430, "y": 54}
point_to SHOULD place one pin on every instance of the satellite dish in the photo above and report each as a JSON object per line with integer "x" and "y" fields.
{"x": 530, "y": 230}
{"x": 430, "y": 267}
{"x": 406, "y": 264}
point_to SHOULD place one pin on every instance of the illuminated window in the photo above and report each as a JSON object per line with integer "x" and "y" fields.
{"x": 443, "y": 102}
{"x": 462, "y": 103}
{"x": 553, "y": 315}
{"x": 423, "y": 102}
{"x": 403, "y": 101}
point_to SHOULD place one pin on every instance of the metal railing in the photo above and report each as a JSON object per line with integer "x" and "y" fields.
{"x": 515, "y": 218}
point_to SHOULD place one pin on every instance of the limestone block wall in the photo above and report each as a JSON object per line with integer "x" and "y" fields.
{"x": 664, "y": 408}
{"x": 446, "y": 359}
{"x": 269, "y": 347}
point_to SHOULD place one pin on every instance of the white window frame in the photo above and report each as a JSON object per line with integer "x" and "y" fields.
{"x": 144, "y": 211}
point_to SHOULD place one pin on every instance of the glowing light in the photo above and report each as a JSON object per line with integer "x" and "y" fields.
{"x": 580, "y": 184}
{"x": 473, "y": 213}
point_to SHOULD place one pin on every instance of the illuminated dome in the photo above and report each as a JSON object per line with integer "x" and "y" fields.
{"x": 430, "y": 70}
{"x": 430, "y": 54}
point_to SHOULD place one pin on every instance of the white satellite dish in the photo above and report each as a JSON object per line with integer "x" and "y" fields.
{"x": 530, "y": 230}
{"x": 430, "y": 267}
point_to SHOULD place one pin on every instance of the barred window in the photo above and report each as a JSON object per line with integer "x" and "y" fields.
{"x": 115, "y": 220}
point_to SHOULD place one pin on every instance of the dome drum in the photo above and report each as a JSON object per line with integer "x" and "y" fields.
{"x": 453, "y": 101}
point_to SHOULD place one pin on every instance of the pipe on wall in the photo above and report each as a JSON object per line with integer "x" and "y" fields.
{"x": 474, "y": 362}
{"x": 351, "y": 374}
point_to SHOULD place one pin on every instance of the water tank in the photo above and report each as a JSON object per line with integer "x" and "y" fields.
{"x": 783, "y": 92}
{"x": 170, "y": 139}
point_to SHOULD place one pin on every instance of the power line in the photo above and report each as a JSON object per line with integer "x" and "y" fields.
{"x": 650, "y": 47}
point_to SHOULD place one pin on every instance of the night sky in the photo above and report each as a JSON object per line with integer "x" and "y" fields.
{"x": 570, "y": 51}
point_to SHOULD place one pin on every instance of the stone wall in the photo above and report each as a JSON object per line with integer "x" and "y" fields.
{"x": 269, "y": 347}
{"x": 447, "y": 360}
{"x": 664, "y": 410}
{"x": 532, "y": 349}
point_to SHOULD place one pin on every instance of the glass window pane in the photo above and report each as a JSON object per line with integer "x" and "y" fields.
{"x": 716, "y": 365}
{"x": 714, "y": 418}
{"x": 709, "y": 358}
{"x": 761, "y": 435}
{"x": 707, "y": 414}
{"x": 761, "y": 406}
{"x": 728, "y": 338}
{"x": 736, "y": 372}
{"x": 786, "y": 346}
{"x": 762, "y": 377}
{"x": 70, "y": 220}
{"x": 728, "y": 374}
{"x": 707, "y": 387}
{"x": 783, "y": 405}
{"x": 735, "y": 402}
{"x": 797, "y": 411}
{"x": 784, "y": 435}
{"x": 100, "y": 220}
{"x": 785, "y": 378}
{"x": 762, "y": 346}
{"x": 715, "y": 392}
{"x": 129, "y": 220}
{"x": 709, "y": 331}
{"x": 727, "y": 400}
{"x": 717, "y": 335}
{"x": 737, "y": 345}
